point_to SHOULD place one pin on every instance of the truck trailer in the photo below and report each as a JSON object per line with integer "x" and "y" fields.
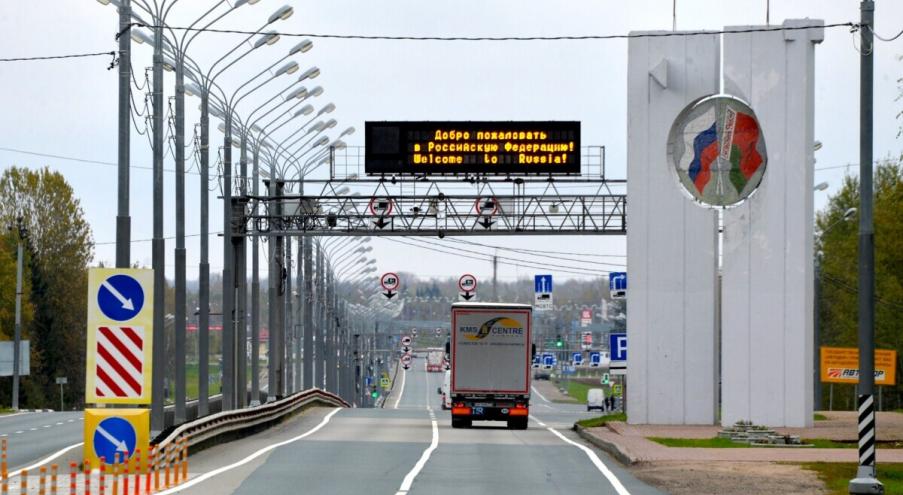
{"x": 491, "y": 351}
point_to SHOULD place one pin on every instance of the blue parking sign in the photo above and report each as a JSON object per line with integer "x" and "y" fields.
{"x": 617, "y": 342}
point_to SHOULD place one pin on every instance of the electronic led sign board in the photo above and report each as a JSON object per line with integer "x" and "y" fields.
{"x": 515, "y": 148}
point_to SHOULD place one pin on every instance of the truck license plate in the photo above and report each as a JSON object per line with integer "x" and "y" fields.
{"x": 483, "y": 404}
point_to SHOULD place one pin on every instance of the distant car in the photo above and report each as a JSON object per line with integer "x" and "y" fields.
{"x": 542, "y": 374}
{"x": 443, "y": 391}
{"x": 595, "y": 399}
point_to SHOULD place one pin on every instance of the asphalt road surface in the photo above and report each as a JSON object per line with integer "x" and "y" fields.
{"x": 409, "y": 447}
{"x": 32, "y": 436}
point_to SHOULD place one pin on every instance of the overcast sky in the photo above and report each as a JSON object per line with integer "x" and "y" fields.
{"x": 68, "y": 108}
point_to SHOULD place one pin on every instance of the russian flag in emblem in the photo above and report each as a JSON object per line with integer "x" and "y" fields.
{"x": 700, "y": 148}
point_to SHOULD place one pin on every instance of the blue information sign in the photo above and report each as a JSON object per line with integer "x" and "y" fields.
{"x": 618, "y": 344}
{"x": 595, "y": 358}
{"x": 548, "y": 360}
{"x": 120, "y": 297}
{"x": 114, "y": 435}
{"x": 542, "y": 284}
{"x": 617, "y": 281}
{"x": 578, "y": 358}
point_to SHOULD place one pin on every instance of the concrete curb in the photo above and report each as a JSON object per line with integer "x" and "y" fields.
{"x": 610, "y": 448}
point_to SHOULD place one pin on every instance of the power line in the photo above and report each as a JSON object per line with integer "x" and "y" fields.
{"x": 590, "y": 37}
{"x": 538, "y": 251}
{"x": 105, "y": 243}
{"x": 59, "y": 57}
{"x": 503, "y": 260}
{"x": 83, "y": 160}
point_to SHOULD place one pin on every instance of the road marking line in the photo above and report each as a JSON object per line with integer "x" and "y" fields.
{"x": 46, "y": 459}
{"x": 14, "y": 414}
{"x": 409, "y": 478}
{"x": 59, "y": 423}
{"x": 398, "y": 399}
{"x": 215, "y": 472}
{"x": 539, "y": 394}
{"x": 615, "y": 482}
{"x": 20, "y": 431}
{"x": 32, "y": 429}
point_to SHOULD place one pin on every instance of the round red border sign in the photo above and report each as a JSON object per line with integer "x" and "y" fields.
{"x": 388, "y": 286}
{"x": 461, "y": 283}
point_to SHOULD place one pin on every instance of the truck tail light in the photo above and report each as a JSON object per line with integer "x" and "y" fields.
{"x": 519, "y": 410}
{"x": 461, "y": 411}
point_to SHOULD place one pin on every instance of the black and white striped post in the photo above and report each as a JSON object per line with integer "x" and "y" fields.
{"x": 866, "y": 480}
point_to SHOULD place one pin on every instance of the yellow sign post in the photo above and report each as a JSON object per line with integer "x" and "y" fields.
{"x": 112, "y": 432}
{"x": 120, "y": 336}
{"x": 841, "y": 365}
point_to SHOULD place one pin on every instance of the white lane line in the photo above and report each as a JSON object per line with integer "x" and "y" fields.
{"x": 218, "y": 471}
{"x": 20, "y": 431}
{"x": 59, "y": 423}
{"x": 539, "y": 394}
{"x": 32, "y": 429}
{"x": 615, "y": 482}
{"x": 401, "y": 391}
{"x": 4, "y": 416}
{"x": 46, "y": 459}
{"x": 409, "y": 478}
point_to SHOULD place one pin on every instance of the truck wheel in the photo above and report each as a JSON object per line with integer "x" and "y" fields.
{"x": 517, "y": 424}
{"x": 461, "y": 423}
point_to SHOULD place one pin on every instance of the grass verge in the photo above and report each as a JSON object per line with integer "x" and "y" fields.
{"x": 601, "y": 420}
{"x": 837, "y": 476}
{"x": 819, "y": 417}
{"x": 717, "y": 442}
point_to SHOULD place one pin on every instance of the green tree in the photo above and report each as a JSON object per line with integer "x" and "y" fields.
{"x": 59, "y": 246}
{"x": 837, "y": 252}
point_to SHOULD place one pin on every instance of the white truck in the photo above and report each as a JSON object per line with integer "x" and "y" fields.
{"x": 491, "y": 352}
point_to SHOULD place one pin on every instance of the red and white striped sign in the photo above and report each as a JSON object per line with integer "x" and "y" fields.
{"x": 119, "y": 362}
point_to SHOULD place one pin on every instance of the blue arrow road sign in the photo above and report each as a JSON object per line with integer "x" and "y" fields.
{"x": 617, "y": 281}
{"x": 120, "y": 297}
{"x": 618, "y": 345}
{"x": 114, "y": 435}
{"x": 595, "y": 358}
{"x": 548, "y": 360}
{"x": 542, "y": 284}
{"x": 578, "y": 358}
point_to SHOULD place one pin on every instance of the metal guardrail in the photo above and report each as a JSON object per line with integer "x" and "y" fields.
{"x": 213, "y": 425}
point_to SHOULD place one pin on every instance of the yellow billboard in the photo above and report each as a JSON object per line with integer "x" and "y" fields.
{"x": 841, "y": 365}
{"x": 120, "y": 336}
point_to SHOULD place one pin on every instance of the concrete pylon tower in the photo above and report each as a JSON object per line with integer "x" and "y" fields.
{"x": 671, "y": 242}
{"x": 755, "y": 327}
{"x": 768, "y": 273}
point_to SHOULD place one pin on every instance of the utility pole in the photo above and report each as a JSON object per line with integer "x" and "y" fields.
{"x": 123, "y": 221}
{"x": 255, "y": 288}
{"x": 158, "y": 246}
{"x": 308, "y": 360}
{"x": 241, "y": 284}
{"x": 204, "y": 265}
{"x": 866, "y": 480}
{"x": 17, "y": 338}
{"x": 228, "y": 367}
{"x": 180, "y": 310}
{"x": 288, "y": 323}
{"x": 276, "y": 303}
{"x": 320, "y": 367}
{"x": 495, "y": 280}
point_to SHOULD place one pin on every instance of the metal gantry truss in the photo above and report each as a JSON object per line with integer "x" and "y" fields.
{"x": 438, "y": 208}
{"x": 347, "y": 204}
